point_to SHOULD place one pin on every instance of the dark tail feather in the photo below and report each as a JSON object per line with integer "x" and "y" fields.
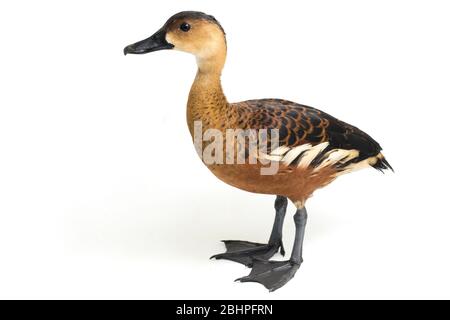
{"x": 382, "y": 164}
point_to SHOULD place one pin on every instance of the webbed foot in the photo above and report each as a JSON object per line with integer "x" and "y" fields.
{"x": 246, "y": 252}
{"x": 271, "y": 274}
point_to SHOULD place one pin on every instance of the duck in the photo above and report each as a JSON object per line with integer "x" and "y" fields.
{"x": 307, "y": 147}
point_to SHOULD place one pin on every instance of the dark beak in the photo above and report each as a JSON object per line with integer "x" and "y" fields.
{"x": 154, "y": 43}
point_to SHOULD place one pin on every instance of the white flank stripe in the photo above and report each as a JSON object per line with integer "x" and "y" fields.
{"x": 295, "y": 152}
{"x": 311, "y": 154}
{"x": 271, "y": 157}
{"x": 287, "y": 155}
{"x": 334, "y": 156}
{"x": 280, "y": 151}
{"x": 359, "y": 165}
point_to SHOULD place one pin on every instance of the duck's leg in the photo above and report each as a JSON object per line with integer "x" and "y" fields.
{"x": 275, "y": 274}
{"x": 245, "y": 252}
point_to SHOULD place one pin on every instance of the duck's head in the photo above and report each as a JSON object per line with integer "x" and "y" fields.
{"x": 189, "y": 31}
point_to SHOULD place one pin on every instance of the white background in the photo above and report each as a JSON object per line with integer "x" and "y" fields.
{"x": 103, "y": 196}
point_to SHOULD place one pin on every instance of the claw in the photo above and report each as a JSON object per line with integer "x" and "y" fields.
{"x": 282, "y": 252}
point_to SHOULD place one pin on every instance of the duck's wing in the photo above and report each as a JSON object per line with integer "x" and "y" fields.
{"x": 310, "y": 137}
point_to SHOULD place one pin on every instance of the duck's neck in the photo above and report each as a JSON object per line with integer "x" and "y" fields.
{"x": 207, "y": 102}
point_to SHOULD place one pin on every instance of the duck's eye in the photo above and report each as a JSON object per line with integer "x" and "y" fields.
{"x": 185, "y": 27}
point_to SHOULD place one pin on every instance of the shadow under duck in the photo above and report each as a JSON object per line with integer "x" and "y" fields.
{"x": 313, "y": 147}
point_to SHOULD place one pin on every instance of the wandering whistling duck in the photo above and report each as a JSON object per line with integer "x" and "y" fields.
{"x": 308, "y": 147}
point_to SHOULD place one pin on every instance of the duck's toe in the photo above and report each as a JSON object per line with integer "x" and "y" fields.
{"x": 271, "y": 274}
{"x": 246, "y": 252}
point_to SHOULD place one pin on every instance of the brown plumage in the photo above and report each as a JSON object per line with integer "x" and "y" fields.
{"x": 313, "y": 147}
{"x": 297, "y": 124}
